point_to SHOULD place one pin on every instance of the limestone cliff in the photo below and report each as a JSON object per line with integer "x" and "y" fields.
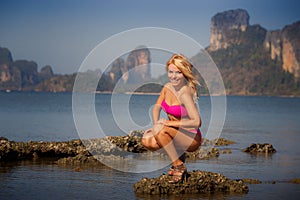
{"x": 253, "y": 60}
{"x": 224, "y": 26}
{"x": 230, "y": 28}
{"x": 5, "y": 56}
{"x": 273, "y": 44}
{"x": 46, "y": 73}
{"x": 136, "y": 68}
{"x": 20, "y": 75}
{"x": 284, "y": 45}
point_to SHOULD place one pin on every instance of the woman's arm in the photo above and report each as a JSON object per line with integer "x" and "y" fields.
{"x": 157, "y": 107}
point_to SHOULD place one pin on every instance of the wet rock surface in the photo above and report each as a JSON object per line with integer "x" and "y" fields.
{"x": 260, "y": 148}
{"x": 295, "y": 181}
{"x": 197, "y": 182}
{"x": 223, "y": 142}
{"x": 10, "y": 150}
{"x": 91, "y": 152}
{"x": 79, "y": 160}
{"x": 111, "y": 147}
{"x": 79, "y": 151}
{"x": 131, "y": 142}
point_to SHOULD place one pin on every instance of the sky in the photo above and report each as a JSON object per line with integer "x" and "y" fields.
{"x": 61, "y": 33}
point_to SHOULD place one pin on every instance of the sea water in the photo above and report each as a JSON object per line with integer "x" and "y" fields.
{"x": 49, "y": 117}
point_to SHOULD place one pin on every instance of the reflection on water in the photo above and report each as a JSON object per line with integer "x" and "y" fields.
{"x": 46, "y": 180}
{"x": 217, "y": 196}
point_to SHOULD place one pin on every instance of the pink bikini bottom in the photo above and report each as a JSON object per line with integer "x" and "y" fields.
{"x": 197, "y": 131}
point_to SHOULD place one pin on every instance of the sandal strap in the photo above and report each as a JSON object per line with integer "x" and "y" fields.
{"x": 180, "y": 168}
{"x": 179, "y": 174}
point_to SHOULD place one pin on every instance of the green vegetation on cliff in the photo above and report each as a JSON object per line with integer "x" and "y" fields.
{"x": 247, "y": 68}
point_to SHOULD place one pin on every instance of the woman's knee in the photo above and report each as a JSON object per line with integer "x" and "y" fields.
{"x": 163, "y": 138}
{"x": 145, "y": 142}
{"x": 150, "y": 143}
{"x": 160, "y": 136}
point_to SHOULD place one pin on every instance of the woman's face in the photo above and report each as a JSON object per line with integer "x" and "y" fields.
{"x": 176, "y": 76}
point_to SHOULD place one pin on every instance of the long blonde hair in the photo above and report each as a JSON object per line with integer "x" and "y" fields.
{"x": 186, "y": 67}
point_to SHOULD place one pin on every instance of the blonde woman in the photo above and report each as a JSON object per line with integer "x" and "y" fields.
{"x": 180, "y": 132}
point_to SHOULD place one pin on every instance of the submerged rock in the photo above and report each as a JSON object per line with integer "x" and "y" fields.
{"x": 260, "y": 148}
{"x": 197, "y": 182}
{"x": 79, "y": 159}
{"x": 203, "y": 153}
{"x": 223, "y": 142}
{"x": 251, "y": 181}
{"x": 295, "y": 181}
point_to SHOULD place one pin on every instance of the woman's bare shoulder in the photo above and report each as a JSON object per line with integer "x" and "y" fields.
{"x": 165, "y": 88}
{"x": 186, "y": 94}
{"x": 167, "y": 85}
{"x": 186, "y": 90}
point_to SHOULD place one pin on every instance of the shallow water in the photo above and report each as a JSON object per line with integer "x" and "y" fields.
{"x": 43, "y": 116}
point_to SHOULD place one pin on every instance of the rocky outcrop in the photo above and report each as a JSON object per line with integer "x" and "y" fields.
{"x": 225, "y": 27}
{"x": 10, "y": 150}
{"x": 89, "y": 150}
{"x": 118, "y": 70}
{"x": 251, "y": 181}
{"x": 5, "y": 56}
{"x": 28, "y": 72}
{"x": 232, "y": 28}
{"x": 197, "y": 182}
{"x": 260, "y": 148}
{"x": 295, "y": 181}
{"x": 79, "y": 160}
{"x": 18, "y": 75}
{"x": 87, "y": 153}
{"x": 23, "y": 75}
{"x": 57, "y": 83}
{"x": 131, "y": 142}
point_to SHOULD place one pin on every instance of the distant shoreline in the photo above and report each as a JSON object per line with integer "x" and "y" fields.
{"x": 149, "y": 93}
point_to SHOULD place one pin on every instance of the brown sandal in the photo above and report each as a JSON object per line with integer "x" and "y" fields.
{"x": 179, "y": 174}
{"x": 171, "y": 170}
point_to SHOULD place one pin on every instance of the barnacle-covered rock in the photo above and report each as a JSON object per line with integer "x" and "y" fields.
{"x": 196, "y": 182}
{"x": 260, "y": 148}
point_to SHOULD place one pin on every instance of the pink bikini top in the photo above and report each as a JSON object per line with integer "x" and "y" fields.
{"x": 175, "y": 110}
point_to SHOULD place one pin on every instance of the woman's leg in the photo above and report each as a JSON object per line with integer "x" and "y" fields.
{"x": 149, "y": 141}
{"x": 174, "y": 142}
{"x": 164, "y": 139}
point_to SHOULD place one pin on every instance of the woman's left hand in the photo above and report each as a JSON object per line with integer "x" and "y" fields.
{"x": 162, "y": 121}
